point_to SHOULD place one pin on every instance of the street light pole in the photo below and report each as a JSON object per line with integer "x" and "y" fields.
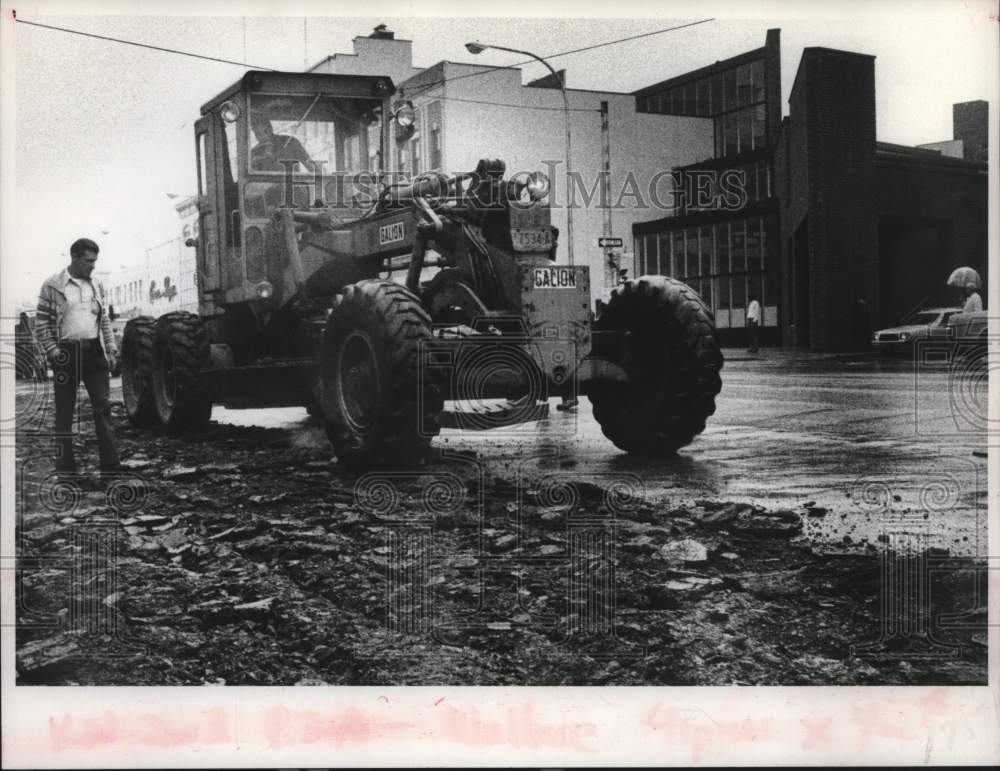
{"x": 478, "y": 48}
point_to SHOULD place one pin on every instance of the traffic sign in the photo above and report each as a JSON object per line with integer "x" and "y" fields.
{"x": 610, "y": 243}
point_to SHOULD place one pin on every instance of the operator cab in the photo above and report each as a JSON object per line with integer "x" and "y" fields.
{"x": 278, "y": 139}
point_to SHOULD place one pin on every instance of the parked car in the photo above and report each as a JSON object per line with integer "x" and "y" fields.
{"x": 929, "y": 322}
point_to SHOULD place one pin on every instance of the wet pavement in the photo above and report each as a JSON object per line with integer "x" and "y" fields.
{"x": 869, "y": 440}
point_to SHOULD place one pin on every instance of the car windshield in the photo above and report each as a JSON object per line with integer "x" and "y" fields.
{"x": 313, "y": 133}
{"x": 925, "y": 317}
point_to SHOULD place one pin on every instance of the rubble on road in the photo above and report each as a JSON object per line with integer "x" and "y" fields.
{"x": 265, "y": 568}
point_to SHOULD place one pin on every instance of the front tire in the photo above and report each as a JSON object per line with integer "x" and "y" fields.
{"x": 180, "y": 352}
{"x": 672, "y": 356}
{"x": 380, "y": 404}
{"x": 137, "y": 371}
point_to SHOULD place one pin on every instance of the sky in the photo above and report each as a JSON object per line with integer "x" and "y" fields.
{"x": 103, "y": 132}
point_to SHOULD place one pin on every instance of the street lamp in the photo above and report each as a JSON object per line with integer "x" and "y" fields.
{"x": 478, "y": 48}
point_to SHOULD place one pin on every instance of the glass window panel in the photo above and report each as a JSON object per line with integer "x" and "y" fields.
{"x": 689, "y": 99}
{"x": 759, "y": 126}
{"x": 754, "y": 285}
{"x": 707, "y": 294}
{"x": 717, "y": 104}
{"x": 707, "y": 250}
{"x": 640, "y": 253}
{"x": 753, "y": 249}
{"x": 722, "y": 288}
{"x": 675, "y": 101}
{"x": 757, "y": 80}
{"x": 770, "y": 289}
{"x": 729, "y": 128}
{"x": 691, "y": 266}
{"x": 678, "y": 252}
{"x": 665, "y": 269}
{"x": 737, "y": 245}
{"x": 770, "y": 244}
{"x": 652, "y": 260}
{"x": 739, "y": 290}
{"x": 746, "y": 129}
{"x": 729, "y": 89}
{"x": 750, "y": 177}
{"x": 743, "y": 94}
{"x": 701, "y": 97}
{"x": 722, "y": 248}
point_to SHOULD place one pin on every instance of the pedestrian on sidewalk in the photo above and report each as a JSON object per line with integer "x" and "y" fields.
{"x": 753, "y": 323}
{"x": 74, "y": 331}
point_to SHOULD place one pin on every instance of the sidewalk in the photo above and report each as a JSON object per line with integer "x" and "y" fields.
{"x": 785, "y": 355}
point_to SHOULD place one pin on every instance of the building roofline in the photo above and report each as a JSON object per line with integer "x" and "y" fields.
{"x": 823, "y": 49}
{"x": 710, "y": 69}
{"x": 390, "y": 39}
{"x": 837, "y": 51}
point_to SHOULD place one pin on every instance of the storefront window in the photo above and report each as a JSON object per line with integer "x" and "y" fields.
{"x": 722, "y": 248}
{"x": 678, "y": 254}
{"x": 737, "y": 241}
{"x": 664, "y": 245}
{"x": 691, "y": 268}
{"x": 707, "y": 249}
{"x": 753, "y": 248}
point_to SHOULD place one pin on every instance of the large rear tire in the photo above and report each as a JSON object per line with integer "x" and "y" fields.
{"x": 180, "y": 352}
{"x": 673, "y": 360}
{"x": 380, "y": 404}
{"x": 137, "y": 371}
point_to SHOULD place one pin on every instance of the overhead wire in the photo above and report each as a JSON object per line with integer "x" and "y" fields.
{"x": 162, "y": 49}
{"x": 419, "y": 89}
{"x": 487, "y": 68}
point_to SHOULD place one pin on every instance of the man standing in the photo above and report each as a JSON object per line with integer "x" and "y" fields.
{"x": 75, "y": 333}
{"x": 753, "y": 323}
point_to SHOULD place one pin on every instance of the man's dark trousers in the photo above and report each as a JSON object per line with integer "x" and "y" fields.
{"x": 753, "y": 329}
{"x": 82, "y": 360}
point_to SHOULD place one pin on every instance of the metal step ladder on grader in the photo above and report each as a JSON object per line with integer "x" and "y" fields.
{"x": 301, "y": 232}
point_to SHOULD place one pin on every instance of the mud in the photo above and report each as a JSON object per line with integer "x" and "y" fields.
{"x": 246, "y": 556}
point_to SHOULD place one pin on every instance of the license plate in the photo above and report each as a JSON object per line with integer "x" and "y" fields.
{"x": 531, "y": 240}
{"x": 554, "y": 278}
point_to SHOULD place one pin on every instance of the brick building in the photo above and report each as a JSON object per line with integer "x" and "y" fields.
{"x": 837, "y": 233}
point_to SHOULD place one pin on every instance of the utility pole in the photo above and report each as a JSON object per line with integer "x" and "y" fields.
{"x": 609, "y": 270}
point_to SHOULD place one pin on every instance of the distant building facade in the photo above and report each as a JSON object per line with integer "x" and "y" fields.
{"x": 163, "y": 280}
{"x": 837, "y": 233}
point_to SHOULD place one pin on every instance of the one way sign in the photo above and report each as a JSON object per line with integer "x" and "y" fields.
{"x": 610, "y": 243}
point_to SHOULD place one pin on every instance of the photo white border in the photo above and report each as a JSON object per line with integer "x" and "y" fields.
{"x": 91, "y": 727}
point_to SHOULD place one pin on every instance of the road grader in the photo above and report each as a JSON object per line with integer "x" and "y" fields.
{"x": 394, "y": 307}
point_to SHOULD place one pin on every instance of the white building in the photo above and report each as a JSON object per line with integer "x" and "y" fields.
{"x": 164, "y": 280}
{"x": 467, "y": 112}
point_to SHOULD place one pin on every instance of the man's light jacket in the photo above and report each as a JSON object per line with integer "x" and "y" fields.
{"x": 52, "y": 308}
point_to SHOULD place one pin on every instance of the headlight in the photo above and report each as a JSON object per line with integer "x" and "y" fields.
{"x": 230, "y": 112}
{"x": 404, "y": 115}
{"x": 264, "y": 290}
{"x": 538, "y": 186}
{"x": 904, "y": 335}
